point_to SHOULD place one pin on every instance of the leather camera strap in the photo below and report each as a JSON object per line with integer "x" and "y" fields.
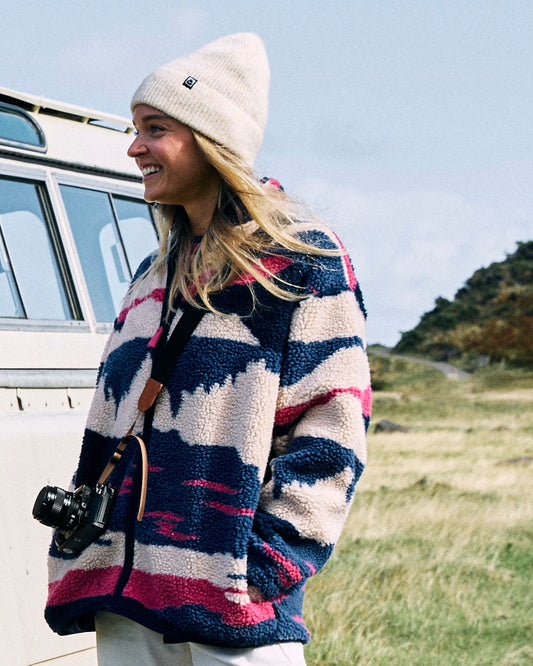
{"x": 161, "y": 371}
{"x": 166, "y": 360}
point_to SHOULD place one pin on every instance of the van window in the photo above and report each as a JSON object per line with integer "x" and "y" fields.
{"x": 30, "y": 282}
{"x": 19, "y": 129}
{"x": 112, "y": 235}
{"x": 138, "y": 237}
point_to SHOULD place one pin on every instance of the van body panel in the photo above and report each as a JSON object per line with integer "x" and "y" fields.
{"x": 73, "y": 228}
{"x": 38, "y": 448}
{"x": 59, "y": 349}
{"x": 74, "y": 136}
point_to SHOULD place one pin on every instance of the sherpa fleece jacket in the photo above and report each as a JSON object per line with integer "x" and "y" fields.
{"x": 256, "y": 445}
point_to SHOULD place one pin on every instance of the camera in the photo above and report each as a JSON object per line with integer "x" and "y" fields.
{"x": 80, "y": 517}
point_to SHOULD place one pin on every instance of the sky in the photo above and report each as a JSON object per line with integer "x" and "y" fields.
{"x": 405, "y": 124}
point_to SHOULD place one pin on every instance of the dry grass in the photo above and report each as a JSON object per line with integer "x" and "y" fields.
{"x": 435, "y": 564}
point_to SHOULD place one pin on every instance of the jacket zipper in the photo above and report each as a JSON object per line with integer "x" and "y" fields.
{"x": 129, "y": 545}
{"x": 131, "y": 519}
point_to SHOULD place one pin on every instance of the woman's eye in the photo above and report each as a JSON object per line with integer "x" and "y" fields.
{"x": 156, "y": 128}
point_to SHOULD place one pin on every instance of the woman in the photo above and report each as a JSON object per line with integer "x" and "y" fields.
{"x": 257, "y": 439}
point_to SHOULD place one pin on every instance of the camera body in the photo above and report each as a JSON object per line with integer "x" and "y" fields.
{"x": 79, "y": 517}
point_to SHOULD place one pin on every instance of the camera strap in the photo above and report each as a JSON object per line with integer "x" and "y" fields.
{"x": 163, "y": 365}
{"x": 166, "y": 360}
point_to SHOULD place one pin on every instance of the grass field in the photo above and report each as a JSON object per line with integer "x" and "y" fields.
{"x": 435, "y": 565}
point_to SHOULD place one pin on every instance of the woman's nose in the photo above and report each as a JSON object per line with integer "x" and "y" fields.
{"x": 136, "y": 148}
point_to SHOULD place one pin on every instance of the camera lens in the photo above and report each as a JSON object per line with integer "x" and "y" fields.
{"x": 56, "y": 507}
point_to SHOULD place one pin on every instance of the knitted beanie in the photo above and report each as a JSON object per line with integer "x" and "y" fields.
{"x": 221, "y": 91}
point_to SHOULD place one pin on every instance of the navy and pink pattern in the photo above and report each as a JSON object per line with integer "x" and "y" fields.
{"x": 257, "y": 442}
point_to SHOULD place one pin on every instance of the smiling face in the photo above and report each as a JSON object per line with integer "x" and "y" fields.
{"x": 174, "y": 169}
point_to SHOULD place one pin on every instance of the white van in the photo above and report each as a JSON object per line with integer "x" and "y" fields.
{"x": 73, "y": 229}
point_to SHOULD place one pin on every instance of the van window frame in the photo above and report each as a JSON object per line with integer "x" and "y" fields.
{"x": 111, "y": 187}
{"x": 42, "y": 147}
{"x": 37, "y": 180}
{"x": 49, "y": 180}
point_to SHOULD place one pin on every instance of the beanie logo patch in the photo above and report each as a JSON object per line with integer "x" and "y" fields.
{"x": 189, "y": 82}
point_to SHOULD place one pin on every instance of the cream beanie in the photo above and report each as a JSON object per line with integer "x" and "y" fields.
{"x": 221, "y": 91}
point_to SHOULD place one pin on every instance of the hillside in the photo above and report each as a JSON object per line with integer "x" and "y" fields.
{"x": 489, "y": 320}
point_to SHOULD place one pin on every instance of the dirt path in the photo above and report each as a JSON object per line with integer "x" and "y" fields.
{"x": 449, "y": 370}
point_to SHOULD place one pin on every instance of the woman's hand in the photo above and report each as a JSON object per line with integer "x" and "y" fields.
{"x": 255, "y": 595}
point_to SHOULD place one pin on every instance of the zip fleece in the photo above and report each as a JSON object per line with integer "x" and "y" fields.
{"x": 255, "y": 447}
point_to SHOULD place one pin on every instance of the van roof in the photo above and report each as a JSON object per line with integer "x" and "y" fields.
{"x": 76, "y": 136}
{"x": 43, "y": 105}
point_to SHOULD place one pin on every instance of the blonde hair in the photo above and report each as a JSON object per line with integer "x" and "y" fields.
{"x": 262, "y": 220}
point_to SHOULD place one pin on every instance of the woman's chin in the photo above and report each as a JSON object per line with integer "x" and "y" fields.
{"x": 150, "y": 195}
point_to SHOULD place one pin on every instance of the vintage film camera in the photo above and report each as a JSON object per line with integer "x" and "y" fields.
{"x": 79, "y": 517}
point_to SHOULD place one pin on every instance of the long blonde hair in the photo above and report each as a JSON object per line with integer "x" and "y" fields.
{"x": 250, "y": 220}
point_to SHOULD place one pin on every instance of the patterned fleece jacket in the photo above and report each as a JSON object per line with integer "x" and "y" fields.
{"x": 256, "y": 444}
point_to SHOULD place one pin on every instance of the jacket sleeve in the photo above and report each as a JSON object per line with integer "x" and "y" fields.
{"x": 319, "y": 449}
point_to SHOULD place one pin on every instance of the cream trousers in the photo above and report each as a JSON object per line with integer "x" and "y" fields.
{"x": 123, "y": 642}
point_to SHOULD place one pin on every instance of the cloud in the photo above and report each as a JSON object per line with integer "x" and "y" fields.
{"x": 100, "y": 66}
{"x": 410, "y": 247}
